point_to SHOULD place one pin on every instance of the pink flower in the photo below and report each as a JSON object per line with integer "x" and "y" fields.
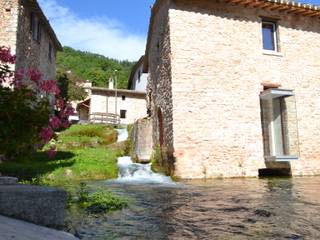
{"x": 46, "y": 134}
{"x": 50, "y": 86}
{"x": 65, "y": 124}
{"x": 55, "y": 122}
{"x": 18, "y": 78}
{"x": 6, "y": 56}
{"x": 52, "y": 152}
{"x": 59, "y": 103}
{"x": 34, "y": 75}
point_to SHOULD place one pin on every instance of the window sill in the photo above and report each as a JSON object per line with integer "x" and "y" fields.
{"x": 281, "y": 158}
{"x": 272, "y": 53}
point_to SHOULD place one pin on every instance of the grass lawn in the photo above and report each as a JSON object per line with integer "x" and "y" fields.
{"x": 85, "y": 152}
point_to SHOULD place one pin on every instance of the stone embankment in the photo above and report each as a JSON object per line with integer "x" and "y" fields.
{"x": 19, "y": 230}
{"x": 44, "y": 206}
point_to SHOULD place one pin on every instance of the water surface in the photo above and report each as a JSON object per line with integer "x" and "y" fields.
{"x": 218, "y": 209}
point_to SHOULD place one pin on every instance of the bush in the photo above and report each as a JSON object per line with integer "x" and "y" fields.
{"x": 31, "y": 109}
{"x": 101, "y": 201}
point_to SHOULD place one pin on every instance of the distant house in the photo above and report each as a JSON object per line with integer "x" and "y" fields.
{"x": 128, "y": 106}
{"x": 235, "y": 87}
{"x": 118, "y": 106}
{"x": 138, "y": 79}
{"x": 25, "y": 29}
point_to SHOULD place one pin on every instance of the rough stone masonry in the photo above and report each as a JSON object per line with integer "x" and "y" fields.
{"x": 207, "y": 71}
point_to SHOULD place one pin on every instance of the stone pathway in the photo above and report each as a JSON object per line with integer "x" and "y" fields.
{"x": 19, "y": 230}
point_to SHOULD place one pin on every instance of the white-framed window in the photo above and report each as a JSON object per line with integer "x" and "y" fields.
{"x": 270, "y": 36}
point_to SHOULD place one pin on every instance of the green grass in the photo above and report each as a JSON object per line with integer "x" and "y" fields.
{"x": 83, "y": 154}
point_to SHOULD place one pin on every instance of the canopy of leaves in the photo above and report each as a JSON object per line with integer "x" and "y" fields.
{"x": 93, "y": 67}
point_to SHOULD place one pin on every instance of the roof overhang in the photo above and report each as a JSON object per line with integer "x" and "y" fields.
{"x": 275, "y": 93}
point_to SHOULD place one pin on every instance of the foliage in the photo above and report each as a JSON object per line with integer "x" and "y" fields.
{"x": 28, "y": 105}
{"x": 70, "y": 86}
{"x": 156, "y": 160}
{"x": 71, "y": 164}
{"x": 128, "y": 149}
{"x": 101, "y": 201}
{"x": 93, "y": 67}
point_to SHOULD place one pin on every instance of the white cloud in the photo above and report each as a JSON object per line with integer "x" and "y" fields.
{"x": 97, "y": 34}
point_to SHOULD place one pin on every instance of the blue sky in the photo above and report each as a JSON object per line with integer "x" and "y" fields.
{"x": 114, "y": 28}
{"x": 134, "y": 14}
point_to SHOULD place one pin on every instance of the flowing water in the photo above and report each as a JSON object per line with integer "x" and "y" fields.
{"x": 270, "y": 208}
{"x": 218, "y": 209}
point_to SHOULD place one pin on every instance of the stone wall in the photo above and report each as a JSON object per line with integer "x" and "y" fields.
{"x": 142, "y": 140}
{"x": 215, "y": 72}
{"x": 159, "y": 88}
{"x": 8, "y": 23}
{"x": 15, "y": 33}
{"x": 31, "y": 53}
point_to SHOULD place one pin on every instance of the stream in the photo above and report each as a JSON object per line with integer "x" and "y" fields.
{"x": 269, "y": 208}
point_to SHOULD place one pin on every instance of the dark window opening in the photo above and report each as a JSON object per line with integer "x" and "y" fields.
{"x": 123, "y": 114}
{"x": 269, "y": 36}
{"x": 123, "y": 97}
{"x": 35, "y": 27}
{"x": 39, "y": 32}
{"x": 50, "y": 52}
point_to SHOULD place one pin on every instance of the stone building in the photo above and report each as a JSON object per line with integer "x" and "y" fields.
{"x": 235, "y": 87}
{"x": 25, "y": 29}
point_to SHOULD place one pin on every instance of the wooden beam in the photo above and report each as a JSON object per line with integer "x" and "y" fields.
{"x": 235, "y": 1}
{"x": 296, "y": 11}
{"x": 310, "y": 13}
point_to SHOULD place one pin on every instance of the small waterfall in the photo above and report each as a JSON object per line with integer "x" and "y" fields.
{"x": 122, "y": 134}
{"x": 130, "y": 172}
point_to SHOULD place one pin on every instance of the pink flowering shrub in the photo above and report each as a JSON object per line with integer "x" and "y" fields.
{"x": 31, "y": 109}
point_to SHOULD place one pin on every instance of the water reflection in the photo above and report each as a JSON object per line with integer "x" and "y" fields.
{"x": 218, "y": 209}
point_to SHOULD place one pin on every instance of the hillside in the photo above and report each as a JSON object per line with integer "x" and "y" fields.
{"x": 93, "y": 67}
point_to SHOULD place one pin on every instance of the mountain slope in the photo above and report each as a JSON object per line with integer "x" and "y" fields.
{"x": 94, "y": 67}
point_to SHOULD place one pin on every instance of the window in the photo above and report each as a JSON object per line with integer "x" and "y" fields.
{"x": 269, "y": 36}
{"x": 35, "y": 27}
{"x": 50, "y": 52}
{"x": 39, "y": 32}
{"x": 279, "y": 124}
{"x": 123, "y": 97}
{"x": 123, "y": 114}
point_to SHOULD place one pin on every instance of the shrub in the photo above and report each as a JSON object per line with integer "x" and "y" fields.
{"x": 31, "y": 109}
{"x": 101, "y": 201}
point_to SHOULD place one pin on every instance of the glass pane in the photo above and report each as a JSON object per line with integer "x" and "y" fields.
{"x": 268, "y": 36}
{"x": 278, "y": 147}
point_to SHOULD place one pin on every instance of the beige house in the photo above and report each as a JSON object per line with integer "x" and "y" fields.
{"x": 235, "y": 87}
{"x": 25, "y": 29}
{"x": 127, "y": 105}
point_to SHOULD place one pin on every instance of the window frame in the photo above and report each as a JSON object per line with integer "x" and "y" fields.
{"x": 274, "y": 24}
